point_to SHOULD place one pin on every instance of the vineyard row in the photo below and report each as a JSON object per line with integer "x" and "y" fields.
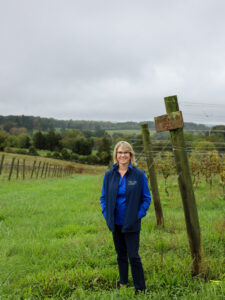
{"x": 17, "y": 168}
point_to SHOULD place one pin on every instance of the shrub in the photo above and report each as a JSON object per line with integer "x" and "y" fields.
{"x": 8, "y": 150}
{"x": 92, "y": 159}
{"x": 65, "y": 154}
{"x": 104, "y": 157}
{"x": 56, "y": 155}
{"x": 49, "y": 154}
{"x": 82, "y": 159}
{"x": 33, "y": 151}
{"x": 74, "y": 157}
{"x": 21, "y": 151}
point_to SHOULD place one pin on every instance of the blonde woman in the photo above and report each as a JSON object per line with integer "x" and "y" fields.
{"x": 125, "y": 200}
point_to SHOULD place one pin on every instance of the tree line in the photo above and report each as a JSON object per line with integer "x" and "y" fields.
{"x": 32, "y": 123}
{"x": 68, "y": 145}
{"x": 95, "y": 146}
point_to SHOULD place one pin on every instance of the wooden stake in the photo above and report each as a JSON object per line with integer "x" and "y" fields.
{"x": 32, "y": 172}
{"x": 1, "y": 165}
{"x": 49, "y": 170}
{"x": 17, "y": 168}
{"x": 42, "y": 171}
{"x": 152, "y": 174}
{"x": 24, "y": 167}
{"x": 46, "y": 169}
{"x": 38, "y": 169}
{"x": 11, "y": 168}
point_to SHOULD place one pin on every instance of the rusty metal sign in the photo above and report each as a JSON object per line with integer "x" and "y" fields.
{"x": 170, "y": 121}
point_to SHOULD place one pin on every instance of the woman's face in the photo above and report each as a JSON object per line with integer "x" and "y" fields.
{"x": 123, "y": 156}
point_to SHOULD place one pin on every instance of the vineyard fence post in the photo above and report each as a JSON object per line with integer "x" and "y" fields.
{"x": 24, "y": 168}
{"x": 173, "y": 122}
{"x": 39, "y": 165}
{"x": 49, "y": 170}
{"x": 43, "y": 168}
{"x": 1, "y": 165}
{"x": 152, "y": 174}
{"x": 17, "y": 168}
{"x": 46, "y": 169}
{"x": 11, "y": 168}
{"x": 32, "y": 172}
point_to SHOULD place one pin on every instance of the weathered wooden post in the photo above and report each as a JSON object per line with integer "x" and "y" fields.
{"x": 57, "y": 171}
{"x": 11, "y": 168}
{"x": 54, "y": 170}
{"x": 173, "y": 122}
{"x": 24, "y": 168}
{"x": 43, "y": 168}
{"x": 32, "y": 172}
{"x": 49, "y": 170}
{"x": 17, "y": 168}
{"x": 152, "y": 174}
{"x": 38, "y": 170}
{"x": 1, "y": 165}
{"x": 46, "y": 169}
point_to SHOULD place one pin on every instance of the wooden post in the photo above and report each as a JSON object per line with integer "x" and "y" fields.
{"x": 57, "y": 171}
{"x": 24, "y": 168}
{"x": 17, "y": 168}
{"x": 46, "y": 169}
{"x": 42, "y": 171}
{"x": 152, "y": 174}
{"x": 186, "y": 189}
{"x": 38, "y": 169}
{"x": 32, "y": 172}
{"x": 53, "y": 172}
{"x": 1, "y": 165}
{"x": 11, "y": 168}
{"x": 49, "y": 170}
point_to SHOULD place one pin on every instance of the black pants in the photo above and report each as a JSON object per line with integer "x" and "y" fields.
{"x": 127, "y": 246}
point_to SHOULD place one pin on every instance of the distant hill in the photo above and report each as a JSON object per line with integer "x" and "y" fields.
{"x": 37, "y": 123}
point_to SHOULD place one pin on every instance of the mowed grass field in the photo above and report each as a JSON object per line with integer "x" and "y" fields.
{"x": 126, "y": 132}
{"x": 54, "y": 243}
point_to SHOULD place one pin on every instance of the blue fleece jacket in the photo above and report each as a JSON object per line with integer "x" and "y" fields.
{"x": 125, "y": 202}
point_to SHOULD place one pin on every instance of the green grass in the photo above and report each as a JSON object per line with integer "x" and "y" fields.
{"x": 124, "y": 131}
{"x": 54, "y": 243}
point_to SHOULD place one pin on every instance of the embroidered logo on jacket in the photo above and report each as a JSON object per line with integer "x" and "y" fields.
{"x": 130, "y": 182}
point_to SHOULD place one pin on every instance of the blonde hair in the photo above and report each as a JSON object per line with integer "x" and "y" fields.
{"x": 127, "y": 147}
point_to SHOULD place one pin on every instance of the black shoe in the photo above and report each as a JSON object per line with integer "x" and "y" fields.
{"x": 119, "y": 285}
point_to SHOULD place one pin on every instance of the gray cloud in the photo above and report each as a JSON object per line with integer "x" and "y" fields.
{"x": 112, "y": 60}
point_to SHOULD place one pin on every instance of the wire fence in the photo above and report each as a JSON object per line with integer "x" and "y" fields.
{"x": 206, "y": 157}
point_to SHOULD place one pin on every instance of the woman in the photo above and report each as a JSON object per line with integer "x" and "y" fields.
{"x": 125, "y": 199}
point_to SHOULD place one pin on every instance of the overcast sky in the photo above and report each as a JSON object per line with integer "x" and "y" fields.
{"x": 112, "y": 60}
